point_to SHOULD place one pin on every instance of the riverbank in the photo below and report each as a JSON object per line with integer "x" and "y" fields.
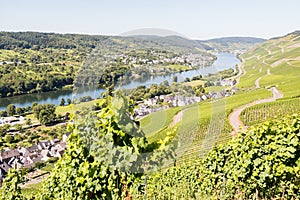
{"x": 224, "y": 61}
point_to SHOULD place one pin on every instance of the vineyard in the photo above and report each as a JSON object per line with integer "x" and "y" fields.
{"x": 262, "y": 163}
{"x": 262, "y": 112}
{"x": 281, "y": 57}
{"x": 202, "y": 126}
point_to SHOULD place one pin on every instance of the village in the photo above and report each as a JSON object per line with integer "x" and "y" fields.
{"x": 29, "y": 158}
{"x": 191, "y": 60}
{"x": 163, "y": 102}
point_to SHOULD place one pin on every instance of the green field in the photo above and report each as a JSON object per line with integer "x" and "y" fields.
{"x": 158, "y": 121}
{"x": 195, "y": 83}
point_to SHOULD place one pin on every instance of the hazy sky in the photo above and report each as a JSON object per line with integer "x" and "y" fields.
{"x": 198, "y": 19}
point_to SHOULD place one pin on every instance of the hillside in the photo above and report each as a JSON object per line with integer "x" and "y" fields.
{"x": 121, "y": 59}
{"x": 232, "y": 43}
{"x": 39, "y": 62}
{"x": 275, "y": 63}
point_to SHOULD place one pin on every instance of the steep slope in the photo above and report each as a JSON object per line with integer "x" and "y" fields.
{"x": 279, "y": 58}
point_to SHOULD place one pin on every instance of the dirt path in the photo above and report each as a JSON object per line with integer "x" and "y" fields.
{"x": 34, "y": 181}
{"x": 177, "y": 118}
{"x": 237, "y": 77}
{"x": 257, "y": 80}
{"x": 234, "y": 117}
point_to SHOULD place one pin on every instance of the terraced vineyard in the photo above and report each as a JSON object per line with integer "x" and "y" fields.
{"x": 260, "y": 113}
{"x": 279, "y": 56}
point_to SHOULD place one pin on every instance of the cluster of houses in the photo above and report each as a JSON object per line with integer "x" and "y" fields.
{"x": 28, "y": 157}
{"x": 227, "y": 82}
{"x": 154, "y": 104}
{"x": 12, "y": 120}
{"x": 192, "y": 60}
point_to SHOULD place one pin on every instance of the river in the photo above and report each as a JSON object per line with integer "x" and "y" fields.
{"x": 224, "y": 61}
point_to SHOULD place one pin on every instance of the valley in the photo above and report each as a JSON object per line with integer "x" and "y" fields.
{"x": 198, "y": 127}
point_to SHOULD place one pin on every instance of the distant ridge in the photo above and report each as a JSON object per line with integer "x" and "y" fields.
{"x": 232, "y": 43}
{"x": 237, "y": 40}
{"x": 152, "y": 32}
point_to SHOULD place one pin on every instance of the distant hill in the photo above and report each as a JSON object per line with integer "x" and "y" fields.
{"x": 172, "y": 37}
{"x": 152, "y": 31}
{"x": 297, "y": 33}
{"x": 251, "y": 40}
{"x": 171, "y": 41}
{"x": 54, "y": 60}
{"x": 38, "y": 40}
{"x": 232, "y": 43}
{"x": 46, "y": 54}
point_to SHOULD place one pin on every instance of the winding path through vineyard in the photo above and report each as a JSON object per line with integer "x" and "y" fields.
{"x": 234, "y": 117}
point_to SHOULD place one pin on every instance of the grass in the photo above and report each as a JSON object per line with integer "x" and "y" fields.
{"x": 215, "y": 88}
{"x": 48, "y": 167}
{"x": 32, "y": 190}
{"x": 204, "y": 124}
{"x": 158, "y": 121}
{"x": 195, "y": 83}
{"x": 177, "y": 67}
{"x": 62, "y": 110}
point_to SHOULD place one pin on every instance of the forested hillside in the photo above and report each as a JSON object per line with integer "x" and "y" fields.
{"x": 39, "y": 62}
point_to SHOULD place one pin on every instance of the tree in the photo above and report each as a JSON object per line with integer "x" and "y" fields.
{"x": 62, "y": 102}
{"x": 175, "y": 79}
{"x": 18, "y": 127}
{"x": 28, "y": 108}
{"x": 3, "y": 113}
{"x": 45, "y": 113}
{"x": 166, "y": 83}
{"x": 4, "y": 129}
{"x": 69, "y": 101}
{"x": 19, "y": 111}
{"x": 187, "y": 79}
{"x": 11, "y": 109}
{"x": 28, "y": 122}
{"x": 34, "y": 104}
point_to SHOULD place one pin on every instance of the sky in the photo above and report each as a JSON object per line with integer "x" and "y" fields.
{"x": 196, "y": 19}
